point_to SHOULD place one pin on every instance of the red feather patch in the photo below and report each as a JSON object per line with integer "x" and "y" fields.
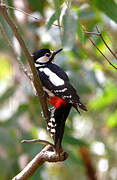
{"x": 56, "y": 102}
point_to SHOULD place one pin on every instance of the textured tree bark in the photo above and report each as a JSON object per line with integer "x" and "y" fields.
{"x": 36, "y": 81}
{"x": 46, "y": 155}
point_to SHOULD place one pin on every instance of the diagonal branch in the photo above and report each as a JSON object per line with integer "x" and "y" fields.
{"x": 100, "y": 35}
{"x": 46, "y": 155}
{"x": 102, "y": 54}
{"x": 114, "y": 55}
{"x": 36, "y": 81}
{"x": 14, "y": 53}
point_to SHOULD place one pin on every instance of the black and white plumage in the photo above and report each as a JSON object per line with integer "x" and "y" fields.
{"x": 60, "y": 92}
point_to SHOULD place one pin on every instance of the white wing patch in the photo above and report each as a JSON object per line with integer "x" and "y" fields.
{"x": 57, "y": 81}
{"x": 61, "y": 90}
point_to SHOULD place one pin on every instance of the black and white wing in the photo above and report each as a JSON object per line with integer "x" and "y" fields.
{"x": 57, "y": 82}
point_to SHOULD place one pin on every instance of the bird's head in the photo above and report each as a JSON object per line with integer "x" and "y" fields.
{"x": 43, "y": 56}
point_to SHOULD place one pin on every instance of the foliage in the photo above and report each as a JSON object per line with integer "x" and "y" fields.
{"x": 94, "y": 79}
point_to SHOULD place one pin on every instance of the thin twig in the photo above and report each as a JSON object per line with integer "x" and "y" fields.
{"x": 106, "y": 43}
{"x": 93, "y": 33}
{"x": 100, "y": 35}
{"x": 96, "y": 59}
{"x": 102, "y": 53}
{"x": 20, "y": 10}
{"x": 36, "y": 18}
{"x": 36, "y": 82}
{"x": 14, "y": 53}
{"x": 38, "y": 140}
{"x": 57, "y": 25}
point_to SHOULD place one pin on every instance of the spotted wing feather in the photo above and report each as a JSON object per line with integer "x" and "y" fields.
{"x": 62, "y": 89}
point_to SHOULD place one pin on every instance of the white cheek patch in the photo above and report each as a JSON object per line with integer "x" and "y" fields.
{"x": 43, "y": 59}
{"x": 57, "y": 81}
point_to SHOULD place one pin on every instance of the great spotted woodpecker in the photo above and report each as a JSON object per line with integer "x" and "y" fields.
{"x": 60, "y": 93}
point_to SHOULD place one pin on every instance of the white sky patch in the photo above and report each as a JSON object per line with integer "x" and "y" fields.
{"x": 42, "y": 134}
{"x": 98, "y": 148}
{"x": 113, "y": 173}
{"x": 44, "y": 35}
{"x": 103, "y": 165}
{"x": 36, "y": 15}
{"x": 82, "y": 127}
{"x": 52, "y": 77}
{"x": 19, "y": 15}
{"x": 48, "y": 13}
{"x": 100, "y": 76}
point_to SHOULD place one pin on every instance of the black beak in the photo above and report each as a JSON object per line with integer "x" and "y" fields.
{"x": 57, "y": 51}
{"x": 54, "y": 53}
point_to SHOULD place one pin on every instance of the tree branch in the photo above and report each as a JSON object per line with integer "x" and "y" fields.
{"x": 102, "y": 54}
{"x": 95, "y": 58}
{"x": 114, "y": 55}
{"x": 99, "y": 34}
{"x": 36, "y": 81}
{"x": 44, "y": 142}
{"x": 46, "y": 155}
{"x": 14, "y": 53}
{"x": 91, "y": 173}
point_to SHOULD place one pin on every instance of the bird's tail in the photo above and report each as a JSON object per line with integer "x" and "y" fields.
{"x": 80, "y": 105}
{"x": 57, "y": 124}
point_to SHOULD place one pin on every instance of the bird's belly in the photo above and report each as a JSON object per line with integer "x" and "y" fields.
{"x": 56, "y": 101}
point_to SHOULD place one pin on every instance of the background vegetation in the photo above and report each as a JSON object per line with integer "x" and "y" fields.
{"x": 94, "y": 79}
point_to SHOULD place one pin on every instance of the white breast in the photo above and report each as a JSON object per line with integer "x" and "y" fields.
{"x": 57, "y": 81}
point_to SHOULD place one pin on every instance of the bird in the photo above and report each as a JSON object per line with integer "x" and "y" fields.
{"x": 59, "y": 92}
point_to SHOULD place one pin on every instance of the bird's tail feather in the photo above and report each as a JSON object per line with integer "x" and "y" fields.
{"x": 82, "y": 106}
{"x": 78, "y": 104}
{"x": 57, "y": 124}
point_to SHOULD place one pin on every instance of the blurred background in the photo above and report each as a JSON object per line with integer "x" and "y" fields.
{"x": 90, "y": 137}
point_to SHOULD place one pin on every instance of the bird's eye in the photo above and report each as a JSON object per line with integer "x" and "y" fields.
{"x": 48, "y": 54}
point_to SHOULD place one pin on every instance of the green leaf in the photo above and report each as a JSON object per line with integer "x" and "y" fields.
{"x": 112, "y": 120}
{"x": 5, "y": 138}
{"x": 73, "y": 141}
{"x": 109, "y": 7}
{"x": 107, "y": 98}
{"x": 74, "y": 158}
{"x": 8, "y": 93}
{"x": 80, "y": 32}
{"x": 57, "y": 9}
{"x": 70, "y": 28}
{"x": 12, "y": 121}
{"x": 38, "y": 5}
{"x": 58, "y": 2}
{"x": 52, "y": 19}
